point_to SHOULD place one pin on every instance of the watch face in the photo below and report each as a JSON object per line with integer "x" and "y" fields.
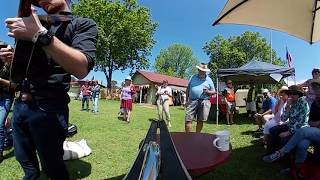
{"x": 45, "y": 39}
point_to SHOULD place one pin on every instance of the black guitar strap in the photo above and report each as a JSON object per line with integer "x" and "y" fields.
{"x": 136, "y": 168}
{"x": 171, "y": 165}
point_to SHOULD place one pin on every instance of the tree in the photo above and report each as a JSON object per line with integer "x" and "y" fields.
{"x": 114, "y": 84}
{"x": 125, "y": 34}
{"x": 238, "y": 50}
{"x": 177, "y": 60}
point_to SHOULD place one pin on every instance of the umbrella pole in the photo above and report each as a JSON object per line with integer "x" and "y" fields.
{"x": 217, "y": 101}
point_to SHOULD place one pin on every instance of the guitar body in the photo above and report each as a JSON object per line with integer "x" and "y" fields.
{"x": 23, "y": 52}
{"x": 23, "y": 49}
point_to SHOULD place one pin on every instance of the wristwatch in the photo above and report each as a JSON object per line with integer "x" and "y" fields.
{"x": 45, "y": 39}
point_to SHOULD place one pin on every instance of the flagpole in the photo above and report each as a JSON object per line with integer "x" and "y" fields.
{"x": 271, "y": 46}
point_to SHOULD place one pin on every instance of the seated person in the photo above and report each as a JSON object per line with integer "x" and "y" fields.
{"x": 296, "y": 113}
{"x": 277, "y": 111}
{"x": 265, "y": 113}
{"x": 302, "y": 139}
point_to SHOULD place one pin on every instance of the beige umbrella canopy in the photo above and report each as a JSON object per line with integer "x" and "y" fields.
{"x": 299, "y": 18}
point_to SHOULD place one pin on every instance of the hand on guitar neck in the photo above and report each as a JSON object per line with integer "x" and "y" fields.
{"x": 24, "y": 28}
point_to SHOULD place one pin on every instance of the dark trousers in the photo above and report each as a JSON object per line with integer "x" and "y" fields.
{"x": 275, "y": 142}
{"x": 5, "y": 105}
{"x": 38, "y": 131}
{"x": 85, "y": 99}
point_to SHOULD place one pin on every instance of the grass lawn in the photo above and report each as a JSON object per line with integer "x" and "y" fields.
{"x": 115, "y": 144}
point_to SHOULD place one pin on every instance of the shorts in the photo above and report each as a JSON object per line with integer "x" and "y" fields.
{"x": 198, "y": 109}
{"x": 231, "y": 106}
{"x": 126, "y": 105}
{"x": 251, "y": 106}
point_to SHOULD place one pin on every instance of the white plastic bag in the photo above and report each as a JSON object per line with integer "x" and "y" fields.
{"x": 75, "y": 150}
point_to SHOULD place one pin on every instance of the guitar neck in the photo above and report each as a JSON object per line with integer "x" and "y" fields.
{"x": 24, "y": 8}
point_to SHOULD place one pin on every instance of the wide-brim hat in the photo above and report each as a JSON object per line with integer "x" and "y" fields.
{"x": 128, "y": 78}
{"x": 282, "y": 89}
{"x": 295, "y": 89}
{"x": 203, "y": 67}
{"x": 265, "y": 91}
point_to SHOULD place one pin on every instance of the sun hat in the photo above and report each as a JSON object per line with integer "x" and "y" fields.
{"x": 128, "y": 78}
{"x": 265, "y": 91}
{"x": 203, "y": 67}
{"x": 283, "y": 88}
{"x": 295, "y": 89}
{"x": 315, "y": 70}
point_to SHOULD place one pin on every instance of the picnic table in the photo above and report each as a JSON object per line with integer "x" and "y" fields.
{"x": 198, "y": 153}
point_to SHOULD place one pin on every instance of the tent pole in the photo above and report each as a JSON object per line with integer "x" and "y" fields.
{"x": 217, "y": 101}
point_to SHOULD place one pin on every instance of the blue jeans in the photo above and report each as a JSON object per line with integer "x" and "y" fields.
{"x": 42, "y": 132}
{"x": 5, "y": 105}
{"x": 85, "y": 99}
{"x": 95, "y": 103}
{"x": 302, "y": 140}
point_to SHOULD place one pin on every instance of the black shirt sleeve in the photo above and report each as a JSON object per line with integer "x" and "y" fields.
{"x": 85, "y": 39}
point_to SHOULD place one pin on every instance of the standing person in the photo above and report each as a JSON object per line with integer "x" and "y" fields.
{"x": 164, "y": 93}
{"x": 266, "y": 112}
{"x": 95, "y": 96}
{"x": 229, "y": 97}
{"x": 310, "y": 94}
{"x": 40, "y": 116}
{"x": 6, "y": 97}
{"x": 199, "y": 90}
{"x": 127, "y": 92}
{"x": 251, "y": 100}
{"x": 86, "y": 92}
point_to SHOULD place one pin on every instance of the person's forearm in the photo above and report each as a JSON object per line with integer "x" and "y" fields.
{"x": 267, "y": 112}
{"x": 211, "y": 92}
{"x": 70, "y": 59}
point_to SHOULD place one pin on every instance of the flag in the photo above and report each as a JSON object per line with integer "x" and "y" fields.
{"x": 289, "y": 59}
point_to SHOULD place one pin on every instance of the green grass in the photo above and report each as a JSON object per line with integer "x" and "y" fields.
{"x": 114, "y": 145}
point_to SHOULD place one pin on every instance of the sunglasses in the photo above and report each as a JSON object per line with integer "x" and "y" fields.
{"x": 292, "y": 93}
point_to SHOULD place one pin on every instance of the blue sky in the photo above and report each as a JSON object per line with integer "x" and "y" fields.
{"x": 189, "y": 22}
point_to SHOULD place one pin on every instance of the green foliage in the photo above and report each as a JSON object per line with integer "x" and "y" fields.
{"x": 238, "y": 50}
{"x": 176, "y": 60}
{"x": 125, "y": 34}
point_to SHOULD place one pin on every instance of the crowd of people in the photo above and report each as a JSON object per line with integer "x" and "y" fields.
{"x": 90, "y": 90}
{"x": 40, "y": 112}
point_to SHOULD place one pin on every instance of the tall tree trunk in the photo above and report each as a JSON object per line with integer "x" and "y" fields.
{"x": 109, "y": 78}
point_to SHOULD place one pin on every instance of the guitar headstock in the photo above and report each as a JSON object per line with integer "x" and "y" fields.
{"x": 24, "y": 8}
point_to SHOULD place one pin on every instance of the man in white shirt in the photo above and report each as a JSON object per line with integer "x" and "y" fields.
{"x": 164, "y": 93}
